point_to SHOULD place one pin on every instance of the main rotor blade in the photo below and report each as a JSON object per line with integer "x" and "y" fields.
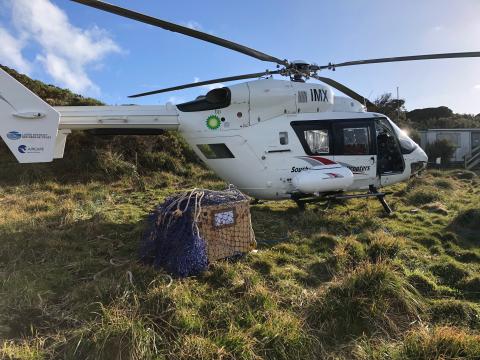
{"x": 180, "y": 29}
{"x": 347, "y": 91}
{"x": 404, "y": 58}
{"x": 208, "y": 82}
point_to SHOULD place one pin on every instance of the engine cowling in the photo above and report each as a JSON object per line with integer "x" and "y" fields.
{"x": 320, "y": 179}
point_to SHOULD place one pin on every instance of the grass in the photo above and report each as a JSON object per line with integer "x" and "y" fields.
{"x": 344, "y": 282}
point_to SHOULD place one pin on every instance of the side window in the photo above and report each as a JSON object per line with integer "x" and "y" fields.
{"x": 356, "y": 141}
{"x": 215, "y": 151}
{"x": 316, "y": 136}
{"x": 318, "y": 141}
{"x": 283, "y": 137}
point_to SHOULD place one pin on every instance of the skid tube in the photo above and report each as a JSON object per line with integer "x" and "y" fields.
{"x": 373, "y": 192}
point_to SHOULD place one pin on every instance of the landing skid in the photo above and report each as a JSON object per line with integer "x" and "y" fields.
{"x": 373, "y": 192}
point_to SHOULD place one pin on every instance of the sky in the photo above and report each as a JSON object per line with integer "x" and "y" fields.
{"x": 108, "y": 57}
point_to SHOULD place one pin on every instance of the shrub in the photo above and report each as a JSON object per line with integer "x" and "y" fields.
{"x": 374, "y": 298}
{"x": 443, "y": 149}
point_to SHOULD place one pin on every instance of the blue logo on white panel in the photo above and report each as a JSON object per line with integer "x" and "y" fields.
{"x": 14, "y": 135}
{"x": 22, "y": 149}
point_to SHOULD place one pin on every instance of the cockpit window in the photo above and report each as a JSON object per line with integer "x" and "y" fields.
{"x": 407, "y": 145}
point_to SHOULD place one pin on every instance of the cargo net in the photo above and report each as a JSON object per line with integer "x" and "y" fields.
{"x": 190, "y": 230}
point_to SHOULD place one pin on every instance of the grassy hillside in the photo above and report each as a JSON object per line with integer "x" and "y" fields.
{"x": 343, "y": 281}
{"x": 338, "y": 281}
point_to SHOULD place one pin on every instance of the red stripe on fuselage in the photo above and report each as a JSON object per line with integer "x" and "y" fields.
{"x": 323, "y": 160}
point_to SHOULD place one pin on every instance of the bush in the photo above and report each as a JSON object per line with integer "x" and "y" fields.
{"x": 373, "y": 299}
{"x": 443, "y": 149}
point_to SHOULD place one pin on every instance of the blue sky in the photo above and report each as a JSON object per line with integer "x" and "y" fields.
{"x": 109, "y": 57}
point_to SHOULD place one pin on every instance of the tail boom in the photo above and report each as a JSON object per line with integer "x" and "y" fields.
{"x": 36, "y": 132}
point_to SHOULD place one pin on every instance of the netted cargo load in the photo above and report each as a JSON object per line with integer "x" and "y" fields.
{"x": 190, "y": 230}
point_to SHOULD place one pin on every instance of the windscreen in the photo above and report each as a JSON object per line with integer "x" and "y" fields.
{"x": 406, "y": 144}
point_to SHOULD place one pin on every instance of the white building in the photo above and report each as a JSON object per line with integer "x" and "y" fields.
{"x": 467, "y": 142}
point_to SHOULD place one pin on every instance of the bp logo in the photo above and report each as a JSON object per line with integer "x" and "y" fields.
{"x": 213, "y": 122}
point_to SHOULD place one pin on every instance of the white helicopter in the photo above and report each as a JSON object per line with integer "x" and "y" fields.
{"x": 273, "y": 139}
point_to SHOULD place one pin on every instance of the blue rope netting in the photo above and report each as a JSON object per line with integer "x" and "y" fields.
{"x": 172, "y": 240}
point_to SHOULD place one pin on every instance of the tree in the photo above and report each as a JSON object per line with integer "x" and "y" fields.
{"x": 393, "y": 108}
{"x": 419, "y": 115}
{"x": 443, "y": 149}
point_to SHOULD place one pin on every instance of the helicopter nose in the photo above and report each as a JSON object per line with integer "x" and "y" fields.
{"x": 421, "y": 155}
{"x": 419, "y": 160}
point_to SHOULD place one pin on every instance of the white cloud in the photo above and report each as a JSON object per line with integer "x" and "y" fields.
{"x": 11, "y": 52}
{"x": 194, "y": 25}
{"x": 176, "y": 100}
{"x": 69, "y": 73}
{"x": 476, "y": 87}
{"x": 66, "y": 50}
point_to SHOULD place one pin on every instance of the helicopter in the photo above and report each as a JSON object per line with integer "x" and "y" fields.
{"x": 273, "y": 139}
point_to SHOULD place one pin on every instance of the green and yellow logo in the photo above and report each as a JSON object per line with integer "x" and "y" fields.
{"x": 213, "y": 122}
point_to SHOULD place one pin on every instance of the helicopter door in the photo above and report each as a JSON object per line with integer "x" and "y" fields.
{"x": 391, "y": 164}
{"x": 355, "y": 149}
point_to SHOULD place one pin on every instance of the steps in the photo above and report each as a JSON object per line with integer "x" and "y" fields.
{"x": 472, "y": 160}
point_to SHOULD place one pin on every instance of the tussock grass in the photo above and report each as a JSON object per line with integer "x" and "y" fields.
{"x": 422, "y": 196}
{"x": 463, "y": 174}
{"x": 374, "y": 299}
{"x": 424, "y": 343}
{"x": 468, "y": 219}
{"x": 384, "y": 246}
{"x": 444, "y": 184}
{"x": 470, "y": 287}
{"x": 456, "y": 313}
{"x": 449, "y": 271}
{"x": 423, "y": 283}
